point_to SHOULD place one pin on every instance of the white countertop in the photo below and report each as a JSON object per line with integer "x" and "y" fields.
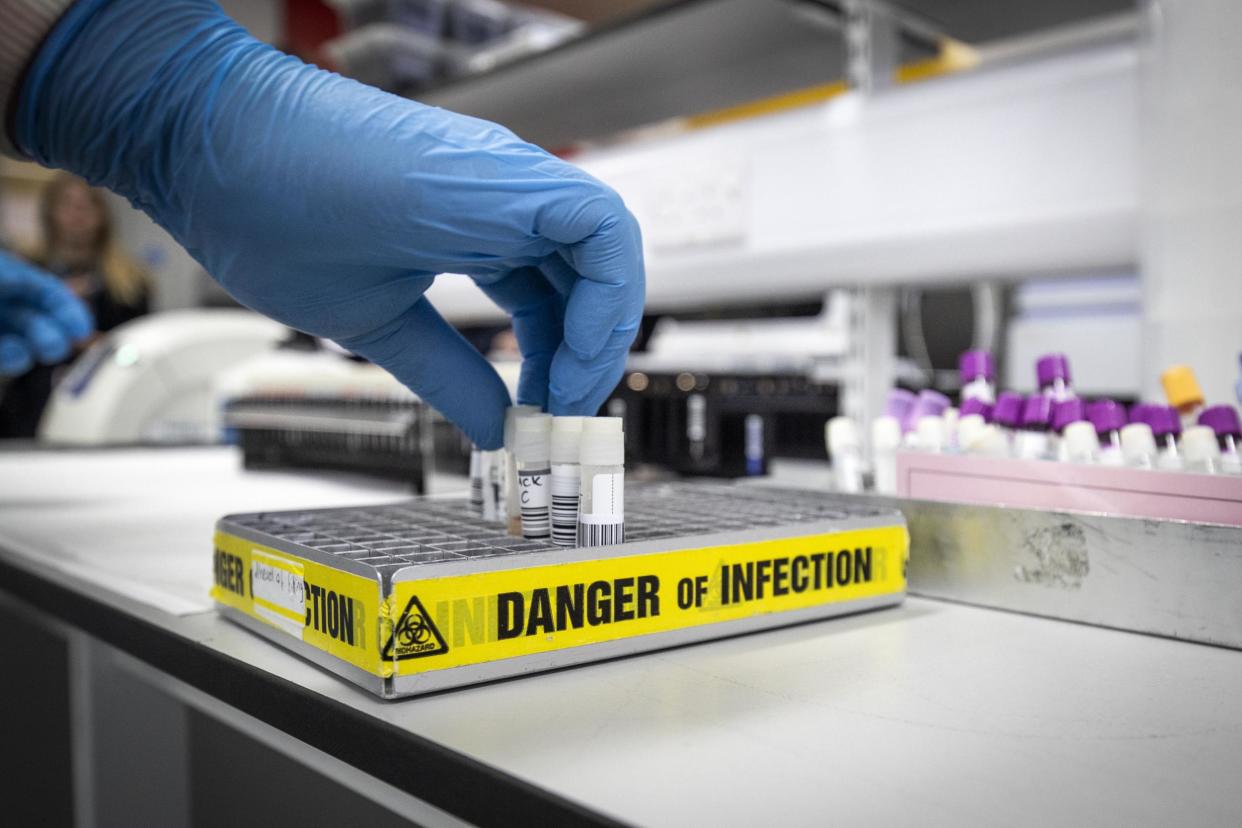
{"x": 933, "y": 713}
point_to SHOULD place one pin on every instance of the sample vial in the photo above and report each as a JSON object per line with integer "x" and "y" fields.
{"x": 1200, "y": 450}
{"x": 1007, "y": 414}
{"x": 1031, "y": 441}
{"x": 928, "y": 403}
{"x": 929, "y": 434}
{"x": 753, "y": 444}
{"x": 1052, "y": 372}
{"x": 1079, "y": 443}
{"x": 1183, "y": 392}
{"x": 566, "y": 479}
{"x": 1138, "y": 446}
{"x": 845, "y": 452}
{"x": 476, "y": 480}
{"x": 509, "y": 510}
{"x": 977, "y": 373}
{"x": 1223, "y": 420}
{"x": 976, "y": 406}
{"x": 969, "y": 428}
{"x": 1165, "y": 427}
{"x": 1065, "y": 412}
{"x": 1108, "y": 417}
{"x": 991, "y": 442}
{"x": 532, "y": 437}
{"x": 950, "y": 416}
{"x": 898, "y": 404}
{"x": 885, "y": 440}
{"x": 492, "y": 474}
{"x": 601, "y": 495}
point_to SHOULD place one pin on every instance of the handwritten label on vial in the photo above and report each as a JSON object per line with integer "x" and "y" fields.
{"x": 533, "y": 503}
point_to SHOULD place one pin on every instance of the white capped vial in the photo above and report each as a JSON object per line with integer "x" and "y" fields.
{"x": 885, "y": 440}
{"x": 476, "y": 480}
{"x": 510, "y": 513}
{"x": 1200, "y": 451}
{"x": 1138, "y": 446}
{"x": 845, "y": 452}
{"x": 1080, "y": 443}
{"x": 601, "y": 494}
{"x": 532, "y": 437}
{"x": 929, "y": 434}
{"x": 492, "y": 474}
{"x": 566, "y": 479}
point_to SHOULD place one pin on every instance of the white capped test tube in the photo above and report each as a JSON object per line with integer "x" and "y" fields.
{"x": 566, "y": 479}
{"x": 930, "y": 434}
{"x": 885, "y": 440}
{"x": 1080, "y": 443}
{"x": 845, "y": 451}
{"x": 476, "y": 480}
{"x": 532, "y": 437}
{"x": 492, "y": 474}
{"x": 509, "y": 510}
{"x": 1200, "y": 450}
{"x": 601, "y": 494}
{"x": 1138, "y": 446}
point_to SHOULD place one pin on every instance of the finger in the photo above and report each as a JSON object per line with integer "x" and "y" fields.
{"x": 612, "y": 288}
{"x": 25, "y": 284}
{"x": 47, "y": 340}
{"x": 15, "y": 357}
{"x": 426, "y": 354}
{"x": 579, "y": 386}
{"x": 537, "y": 312}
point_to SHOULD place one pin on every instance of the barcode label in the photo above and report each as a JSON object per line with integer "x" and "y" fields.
{"x": 564, "y": 495}
{"x": 533, "y": 503}
{"x": 600, "y": 534}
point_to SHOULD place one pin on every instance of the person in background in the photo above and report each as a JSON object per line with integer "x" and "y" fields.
{"x": 78, "y": 246}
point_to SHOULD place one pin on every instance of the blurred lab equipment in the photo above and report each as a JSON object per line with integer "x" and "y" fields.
{"x": 150, "y": 380}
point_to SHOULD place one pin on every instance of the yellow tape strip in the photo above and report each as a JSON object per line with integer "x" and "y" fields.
{"x": 471, "y": 619}
{"x": 334, "y": 611}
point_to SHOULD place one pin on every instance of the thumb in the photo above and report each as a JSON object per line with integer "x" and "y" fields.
{"x": 425, "y": 353}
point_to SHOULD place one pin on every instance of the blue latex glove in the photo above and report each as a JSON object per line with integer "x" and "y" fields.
{"x": 40, "y": 318}
{"x": 331, "y": 206}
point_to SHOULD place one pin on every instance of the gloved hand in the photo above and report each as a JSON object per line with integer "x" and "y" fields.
{"x": 40, "y": 318}
{"x": 331, "y": 206}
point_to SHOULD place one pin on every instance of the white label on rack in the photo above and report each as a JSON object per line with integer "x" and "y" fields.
{"x": 533, "y": 503}
{"x": 279, "y": 591}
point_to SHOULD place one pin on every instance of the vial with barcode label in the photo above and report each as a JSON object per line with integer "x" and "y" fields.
{"x": 601, "y": 495}
{"x": 491, "y": 476}
{"x": 476, "y": 480}
{"x": 531, "y": 444}
{"x": 510, "y": 514}
{"x": 565, "y": 480}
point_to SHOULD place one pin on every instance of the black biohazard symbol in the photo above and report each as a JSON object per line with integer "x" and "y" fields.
{"x": 414, "y": 635}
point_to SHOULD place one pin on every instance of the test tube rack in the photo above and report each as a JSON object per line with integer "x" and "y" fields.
{"x": 424, "y": 595}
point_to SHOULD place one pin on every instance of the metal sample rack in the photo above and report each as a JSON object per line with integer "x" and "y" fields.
{"x": 424, "y": 595}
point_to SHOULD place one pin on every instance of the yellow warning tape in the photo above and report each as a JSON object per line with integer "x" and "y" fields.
{"x": 471, "y": 619}
{"x": 436, "y": 623}
{"x": 334, "y": 611}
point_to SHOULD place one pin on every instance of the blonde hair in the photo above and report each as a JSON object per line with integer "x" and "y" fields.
{"x": 124, "y": 279}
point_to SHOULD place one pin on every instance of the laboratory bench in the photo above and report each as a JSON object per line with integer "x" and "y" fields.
{"x": 128, "y": 700}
